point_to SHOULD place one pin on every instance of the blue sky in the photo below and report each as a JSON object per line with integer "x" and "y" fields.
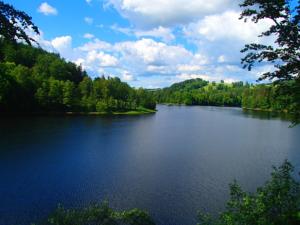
{"x": 148, "y": 43}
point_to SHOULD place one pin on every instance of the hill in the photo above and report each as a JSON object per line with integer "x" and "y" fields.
{"x": 269, "y": 97}
{"x": 33, "y": 80}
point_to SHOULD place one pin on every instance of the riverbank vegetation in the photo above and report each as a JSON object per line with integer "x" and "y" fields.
{"x": 276, "y": 203}
{"x": 269, "y": 97}
{"x": 98, "y": 214}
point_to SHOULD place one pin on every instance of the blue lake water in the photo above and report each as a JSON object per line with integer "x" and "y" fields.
{"x": 172, "y": 163}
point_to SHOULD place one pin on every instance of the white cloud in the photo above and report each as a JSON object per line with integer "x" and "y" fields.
{"x": 210, "y": 78}
{"x": 161, "y": 32}
{"x": 96, "y": 44}
{"x": 187, "y": 76}
{"x": 102, "y": 59}
{"x": 89, "y": 20}
{"x": 61, "y": 43}
{"x": 124, "y": 30}
{"x": 165, "y": 34}
{"x": 188, "y": 68}
{"x": 226, "y": 26}
{"x": 47, "y": 9}
{"x": 88, "y": 36}
{"x": 146, "y": 62}
{"x": 150, "y": 52}
{"x": 156, "y": 13}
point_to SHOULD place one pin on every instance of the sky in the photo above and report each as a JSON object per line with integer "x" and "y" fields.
{"x": 148, "y": 43}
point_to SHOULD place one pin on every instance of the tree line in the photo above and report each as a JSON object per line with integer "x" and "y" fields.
{"x": 201, "y": 92}
{"x": 237, "y": 94}
{"x": 33, "y": 80}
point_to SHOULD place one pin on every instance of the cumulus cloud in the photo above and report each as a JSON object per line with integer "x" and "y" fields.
{"x": 151, "y": 52}
{"x": 62, "y": 43}
{"x": 95, "y": 44}
{"x": 147, "y": 62}
{"x": 162, "y": 33}
{"x": 226, "y": 26}
{"x": 157, "y": 13}
{"x": 47, "y": 9}
{"x": 220, "y": 37}
{"x": 188, "y": 68}
{"x": 104, "y": 60}
{"x": 186, "y": 76}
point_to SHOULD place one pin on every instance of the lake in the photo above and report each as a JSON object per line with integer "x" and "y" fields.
{"x": 172, "y": 163}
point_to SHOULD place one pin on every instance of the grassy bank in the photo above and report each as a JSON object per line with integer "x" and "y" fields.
{"x": 138, "y": 111}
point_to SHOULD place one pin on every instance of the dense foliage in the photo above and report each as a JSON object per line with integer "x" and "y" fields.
{"x": 98, "y": 215}
{"x": 276, "y": 203}
{"x": 14, "y": 23}
{"x": 200, "y": 92}
{"x": 269, "y": 97}
{"x": 32, "y": 80}
{"x": 284, "y": 53}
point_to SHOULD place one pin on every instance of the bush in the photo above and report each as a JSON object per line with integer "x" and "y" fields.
{"x": 276, "y": 203}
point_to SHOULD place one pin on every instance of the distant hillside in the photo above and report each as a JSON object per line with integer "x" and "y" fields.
{"x": 201, "y": 92}
{"x": 238, "y": 94}
{"x": 188, "y": 85}
{"x": 33, "y": 80}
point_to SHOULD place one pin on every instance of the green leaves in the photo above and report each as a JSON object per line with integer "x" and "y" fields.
{"x": 284, "y": 52}
{"x": 100, "y": 214}
{"x": 14, "y": 23}
{"x": 276, "y": 203}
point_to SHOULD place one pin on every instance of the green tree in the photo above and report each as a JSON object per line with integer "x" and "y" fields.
{"x": 7, "y": 85}
{"x": 286, "y": 29}
{"x": 32, "y": 79}
{"x": 276, "y": 203}
{"x": 13, "y": 24}
{"x": 284, "y": 54}
{"x": 98, "y": 215}
{"x": 69, "y": 97}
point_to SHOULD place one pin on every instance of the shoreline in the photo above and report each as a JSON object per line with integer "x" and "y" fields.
{"x": 267, "y": 110}
{"x": 128, "y": 113}
{"x": 243, "y": 108}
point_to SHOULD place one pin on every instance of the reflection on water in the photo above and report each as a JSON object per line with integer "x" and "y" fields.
{"x": 267, "y": 115}
{"x": 173, "y": 163}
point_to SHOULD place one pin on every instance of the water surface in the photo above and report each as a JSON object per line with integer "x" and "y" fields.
{"x": 172, "y": 163}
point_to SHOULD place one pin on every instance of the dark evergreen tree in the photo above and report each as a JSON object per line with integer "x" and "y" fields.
{"x": 284, "y": 53}
{"x": 13, "y": 24}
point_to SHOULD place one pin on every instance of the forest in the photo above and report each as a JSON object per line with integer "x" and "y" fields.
{"x": 33, "y": 80}
{"x": 237, "y": 94}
